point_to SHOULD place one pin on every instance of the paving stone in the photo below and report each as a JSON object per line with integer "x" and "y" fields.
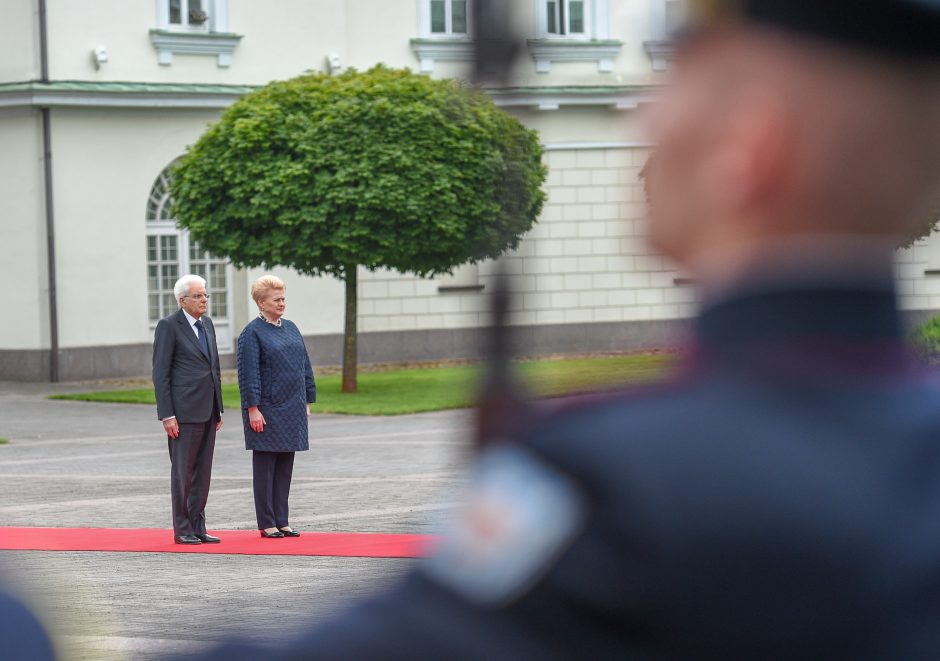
{"x": 77, "y": 464}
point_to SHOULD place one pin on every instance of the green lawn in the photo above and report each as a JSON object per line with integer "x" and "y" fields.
{"x": 4, "y": 441}
{"x": 395, "y": 392}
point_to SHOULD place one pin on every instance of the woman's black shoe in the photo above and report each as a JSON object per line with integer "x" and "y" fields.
{"x": 271, "y": 535}
{"x": 290, "y": 533}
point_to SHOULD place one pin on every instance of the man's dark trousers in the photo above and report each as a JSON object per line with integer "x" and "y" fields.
{"x": 190, "y": 471}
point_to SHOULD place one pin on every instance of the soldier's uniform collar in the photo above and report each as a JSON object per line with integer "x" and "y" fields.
{"x": 821, "y": 311}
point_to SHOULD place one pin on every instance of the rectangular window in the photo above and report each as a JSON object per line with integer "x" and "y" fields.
{"x": 153, "y": 307}
{"x": 449, "y": 18}
{"x": 162, "y": 274}
{"x": 565, "y": 17}
{"x": 188, "y": 14}
{"x": 168, "y": 248}
{"x": 214, "y": 271}
{"x": 576, "y": 17}
{"x": 438, "y": 16}
{"x": 458, "y": 15}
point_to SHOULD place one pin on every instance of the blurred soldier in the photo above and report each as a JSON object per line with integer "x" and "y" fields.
{"x": 781, "y": 500}
{"x": 24, "y": 637}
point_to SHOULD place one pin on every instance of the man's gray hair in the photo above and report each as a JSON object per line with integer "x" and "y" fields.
{"x": 181, "y": 288}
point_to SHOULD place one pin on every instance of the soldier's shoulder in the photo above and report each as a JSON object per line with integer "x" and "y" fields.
{"x": 612, "y": 423}
{"x": 619, "y": 402}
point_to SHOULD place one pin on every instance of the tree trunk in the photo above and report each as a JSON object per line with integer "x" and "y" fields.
{"x": 350, "y": 340}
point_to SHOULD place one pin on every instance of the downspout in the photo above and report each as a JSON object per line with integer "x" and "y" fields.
{"x": 50, "y": 218}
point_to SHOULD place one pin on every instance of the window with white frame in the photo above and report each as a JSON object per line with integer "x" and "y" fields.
{"x": 193, "y": 27}
{"x": 187, "y": 14}
{"x": 448, "y": 19}
{"x": 445, "y": 31}
{"x": 573, "y": 30}
{"x": 566, "y": 18}
{"x": 170, "y": 254}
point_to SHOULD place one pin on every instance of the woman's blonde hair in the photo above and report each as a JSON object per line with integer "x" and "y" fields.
{"x": 264, "y": 285}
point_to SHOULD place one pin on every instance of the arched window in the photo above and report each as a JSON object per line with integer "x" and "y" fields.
{"x": 170, "y": 254}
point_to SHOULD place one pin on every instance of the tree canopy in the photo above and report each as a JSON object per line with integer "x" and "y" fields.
{"x": 383, "y": 168}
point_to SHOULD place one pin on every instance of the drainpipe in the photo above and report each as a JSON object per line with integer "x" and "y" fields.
{"x": 50, "y": 218}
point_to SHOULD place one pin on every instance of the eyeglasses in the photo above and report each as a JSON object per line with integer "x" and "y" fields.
{"x": 198, "y": 297}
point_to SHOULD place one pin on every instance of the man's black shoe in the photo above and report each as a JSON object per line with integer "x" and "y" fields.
{"x": 187, "y": 539}
{"x": 208, "y": 539}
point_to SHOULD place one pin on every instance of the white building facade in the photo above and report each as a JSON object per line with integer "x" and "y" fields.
{"x": 98, "y": 99}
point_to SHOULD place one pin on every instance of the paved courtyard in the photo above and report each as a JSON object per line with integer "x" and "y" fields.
{"x": 76, "y": 464}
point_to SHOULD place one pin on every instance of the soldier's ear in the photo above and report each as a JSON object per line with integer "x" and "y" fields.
{"x": 751, "y": 164}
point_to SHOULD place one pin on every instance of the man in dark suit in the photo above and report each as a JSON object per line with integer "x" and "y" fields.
{"x": 782, "y": 499}
{"x": 188, "y": 386}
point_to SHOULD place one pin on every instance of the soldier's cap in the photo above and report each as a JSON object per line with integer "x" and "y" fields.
{"x": 902, "y": 28}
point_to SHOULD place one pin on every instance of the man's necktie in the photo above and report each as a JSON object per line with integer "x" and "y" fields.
{"x": 203, "y": 342}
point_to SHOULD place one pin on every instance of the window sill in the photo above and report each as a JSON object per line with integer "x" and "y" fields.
{"x": 444, "y": 48}
{"x": 169, "y": 42}
{"x": 546, "y": 51}
{"x": 660, "y": 52}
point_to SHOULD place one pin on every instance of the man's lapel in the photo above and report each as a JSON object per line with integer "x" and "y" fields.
{"x": 188, "y": 333}
{"x": 210, "y": 338}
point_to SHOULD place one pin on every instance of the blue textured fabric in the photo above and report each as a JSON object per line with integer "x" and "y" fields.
{"x": 274, "y": 374}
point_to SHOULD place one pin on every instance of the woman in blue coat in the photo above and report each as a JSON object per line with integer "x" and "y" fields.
{"x": 277, "y": 388}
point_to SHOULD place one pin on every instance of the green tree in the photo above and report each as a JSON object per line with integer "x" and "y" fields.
{"x": 925, "y": 229}
{"x": 382, "y": 168}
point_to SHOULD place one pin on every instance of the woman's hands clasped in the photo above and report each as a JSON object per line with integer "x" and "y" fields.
{"x": 256, "y": 419}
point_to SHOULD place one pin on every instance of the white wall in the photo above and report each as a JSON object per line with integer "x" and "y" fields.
{"x": 585, "y": 261}
{"x": 22, "y": 232}
{"x": 280, "y": 40}
{"x": 285, "y": 38}
{"x": 19, "y": 41}
{"x": 106, "y": 162}
{"x": 316, "y": 305}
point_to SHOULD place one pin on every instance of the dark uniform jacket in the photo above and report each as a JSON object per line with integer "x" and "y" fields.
{"x": 187, "y": 383}
{"x": 780, "y": 500}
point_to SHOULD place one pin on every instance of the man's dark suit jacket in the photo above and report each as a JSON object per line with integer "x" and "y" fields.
{"x": 186, "y": 384}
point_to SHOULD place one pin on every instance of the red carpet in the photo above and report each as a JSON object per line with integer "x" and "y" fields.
{"x": 242, "y": 542}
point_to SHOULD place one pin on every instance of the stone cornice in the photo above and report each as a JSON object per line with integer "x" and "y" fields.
{"x": 119, "y": 94}
{"x": 615, "y": 97}
{"x": 220, "y": 44}
{"x": 182, "y": 95}
{"x": 660, "y": 52}
{"x": 429, "y": 50}
{"x": 546, "y": 51}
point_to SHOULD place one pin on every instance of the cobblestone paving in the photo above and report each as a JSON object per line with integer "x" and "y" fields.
{"x": 76, "y": 464}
